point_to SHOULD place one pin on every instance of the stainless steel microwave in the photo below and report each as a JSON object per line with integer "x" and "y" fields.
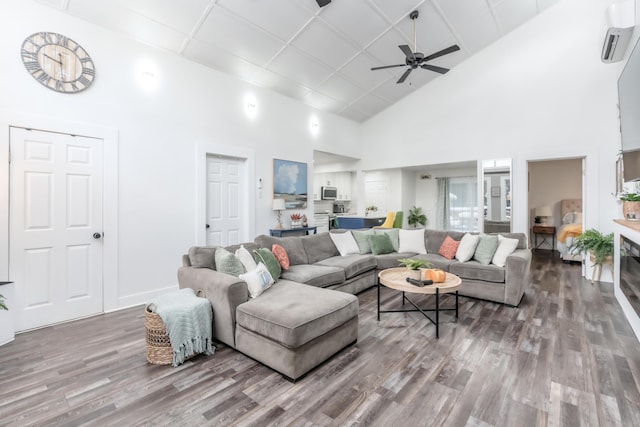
{"x": 329, "y": 193}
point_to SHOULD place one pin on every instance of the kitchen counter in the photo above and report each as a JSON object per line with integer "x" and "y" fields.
{"x": 356, "y": 221}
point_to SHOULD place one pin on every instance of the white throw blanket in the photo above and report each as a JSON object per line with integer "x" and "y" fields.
{"x": 188, "y": 321}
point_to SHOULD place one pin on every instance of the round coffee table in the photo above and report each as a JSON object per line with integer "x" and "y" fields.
{"x": 396, "y": 278}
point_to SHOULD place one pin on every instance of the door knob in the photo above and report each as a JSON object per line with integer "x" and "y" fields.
{"x": 97, "y": 235}
{"x": 208, "y": 226}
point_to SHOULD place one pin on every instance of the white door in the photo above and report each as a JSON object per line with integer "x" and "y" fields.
{"x": 225, "y": 215}
{"x": 55, "y": 209}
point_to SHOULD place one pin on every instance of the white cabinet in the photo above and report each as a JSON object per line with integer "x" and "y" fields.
{"x": 340, "y": 180}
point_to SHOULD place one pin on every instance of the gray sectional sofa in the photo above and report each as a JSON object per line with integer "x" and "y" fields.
{"x": 311, "y": 312}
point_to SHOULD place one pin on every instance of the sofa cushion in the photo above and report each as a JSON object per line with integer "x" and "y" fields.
{"x": 487, "y": 245}
{"x": 281, "y": 255}
{"x": 293, "y": 246}
{"x": 412, "y": 241}
{"x": 293, "y": 314}
{"x": 380, "y": 244}
{"x": 265, "y": 256}
{"x": 394, "y": 236}
{"x": 351, "y": 264}
{"x": 391, "y": 260}
{"x": 203, "y": 257}
{"x": 361, "y": 240}
{"x": 436, "y": 261}
{"x": 435, "y": 238}
{"x": 448, "y": 248}
{"x": 475, "y": 271}
{"x": 345, "y": 243}
{"x": 258, "y": 280}
{"x": 522, "y": 239}
{"x": 467, "y": 247}
{"x": 506, "y": 247}
{"x": 246, "y": 258}
{"x": 318, "y": 247}
{"x": 315, "y": 275}
{"x": 228, "y": 263}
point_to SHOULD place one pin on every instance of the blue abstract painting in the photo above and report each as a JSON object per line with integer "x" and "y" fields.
{"x": 290, "y": 183}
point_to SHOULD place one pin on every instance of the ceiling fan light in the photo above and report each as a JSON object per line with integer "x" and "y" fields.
{"x": 323, "y": 3}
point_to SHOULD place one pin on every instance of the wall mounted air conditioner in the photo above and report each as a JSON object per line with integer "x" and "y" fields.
{"x": 621, "y": 19}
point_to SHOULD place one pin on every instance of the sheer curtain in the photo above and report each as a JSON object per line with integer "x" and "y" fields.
{"x": 443, "y": 204}
{"x": 458, "y": 204}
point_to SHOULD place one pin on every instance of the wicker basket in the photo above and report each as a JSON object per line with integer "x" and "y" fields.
{"x": 159, "y": 350}
{"x": 631, "y": 211}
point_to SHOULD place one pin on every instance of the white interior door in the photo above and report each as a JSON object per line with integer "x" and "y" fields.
{"x": 55, "y": 209}
{"x": 225, "y": 216}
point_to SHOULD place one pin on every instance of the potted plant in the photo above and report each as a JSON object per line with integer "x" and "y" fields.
{"x": 296, "y": 220}
{"x": 631, "y": 204}
{"x": 3, "y": 306}
{"x": 414, "y": 265}
{"x": 416, "y": 216}
{"x": 369, "y": 209}
{"x": 598, "y": 245}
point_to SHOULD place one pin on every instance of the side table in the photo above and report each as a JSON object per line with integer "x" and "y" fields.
{"x": 548, "y": 234}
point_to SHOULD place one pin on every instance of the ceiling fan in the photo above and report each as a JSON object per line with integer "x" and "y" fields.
{"x": 416, "y": 59}
{"x": 323, "y": 3}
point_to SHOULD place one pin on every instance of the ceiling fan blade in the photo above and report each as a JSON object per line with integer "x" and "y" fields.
{"x": 434, "y": 68}
{"x": 388, "y": 66}
{"x": 442, "y": 52}
{"x": 323, "y": 3}
{"x": 407, "y": 51}
{"x": 405, "y": 75}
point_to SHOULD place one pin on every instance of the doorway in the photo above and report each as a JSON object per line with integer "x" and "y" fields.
{"x": 551, "y": 182}
{"x": 225, "y": 214}
{"x": 55, "y": 226}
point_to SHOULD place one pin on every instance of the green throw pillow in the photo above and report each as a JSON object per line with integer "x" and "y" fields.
{"x": 226, "y": 262}
{"x": 487, "y": 245}
{"x": 380, "y": 244}
{"x": 361, "y": 240}
{"x": 265, "y": 256}
{"x": 394, "y": 236}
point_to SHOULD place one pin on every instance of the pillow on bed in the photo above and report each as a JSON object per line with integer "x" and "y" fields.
{"x": 568, "y": 218}
{"x": 577, "y": 218}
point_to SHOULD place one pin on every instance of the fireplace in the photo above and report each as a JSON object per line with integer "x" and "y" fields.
{"x": 630, "y": 271}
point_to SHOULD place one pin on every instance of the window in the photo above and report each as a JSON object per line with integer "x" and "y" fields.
{"x": 463, "y": 204}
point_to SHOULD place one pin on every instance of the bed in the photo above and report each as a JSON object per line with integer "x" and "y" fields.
{"x": 571, "y": 210}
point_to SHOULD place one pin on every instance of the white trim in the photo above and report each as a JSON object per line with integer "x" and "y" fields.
{"x": 142, "y": 298}
{"x": 249, "y": 157}
{"x": 110, "y": 190}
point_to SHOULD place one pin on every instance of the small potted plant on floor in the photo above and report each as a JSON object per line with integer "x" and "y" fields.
{"x": 416, "y": 216}
{"x": 597, "y": 245}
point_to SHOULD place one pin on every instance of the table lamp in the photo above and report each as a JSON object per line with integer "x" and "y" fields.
{"x": 544, "y": 212}
{"x": 278, "y": 205}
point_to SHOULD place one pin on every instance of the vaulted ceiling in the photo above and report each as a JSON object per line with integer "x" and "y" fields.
{"x": 320, "y": 56}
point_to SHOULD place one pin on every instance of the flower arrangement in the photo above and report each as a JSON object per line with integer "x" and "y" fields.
{"x": 296, "y": 220}
{"x": 371, "y": 208}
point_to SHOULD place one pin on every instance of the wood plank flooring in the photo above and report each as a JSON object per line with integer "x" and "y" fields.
{"x": 565, "y": 357}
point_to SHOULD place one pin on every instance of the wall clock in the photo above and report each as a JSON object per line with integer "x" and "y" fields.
{"x": 58, "y": 62}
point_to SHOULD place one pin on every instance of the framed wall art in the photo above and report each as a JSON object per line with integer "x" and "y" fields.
{"x": 290, "y": 183}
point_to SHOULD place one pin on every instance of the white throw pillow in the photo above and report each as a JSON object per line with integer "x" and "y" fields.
{"x": 412, "y": 241}
{"x": 577, "y": 218}
{"x": 258, "y": 280}
{"x": 345, "y": 243}
{"x": 467, "y": 247}
{"x": 505, "y": 248}
{"x": 246, "y": 259}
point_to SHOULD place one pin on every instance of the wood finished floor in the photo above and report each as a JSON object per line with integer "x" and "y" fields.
{"x": 565, "y": 357}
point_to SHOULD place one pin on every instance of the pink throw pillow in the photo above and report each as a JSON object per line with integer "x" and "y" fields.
{"x": 448, "y": 248}
{"x": 281, "y": 255}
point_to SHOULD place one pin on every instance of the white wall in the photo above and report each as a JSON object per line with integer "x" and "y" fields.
{"x": 540, "y": 92}
{"x": 158, "y": 135}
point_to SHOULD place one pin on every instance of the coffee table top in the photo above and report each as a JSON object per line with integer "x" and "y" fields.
{"x": 396, "y": 278}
